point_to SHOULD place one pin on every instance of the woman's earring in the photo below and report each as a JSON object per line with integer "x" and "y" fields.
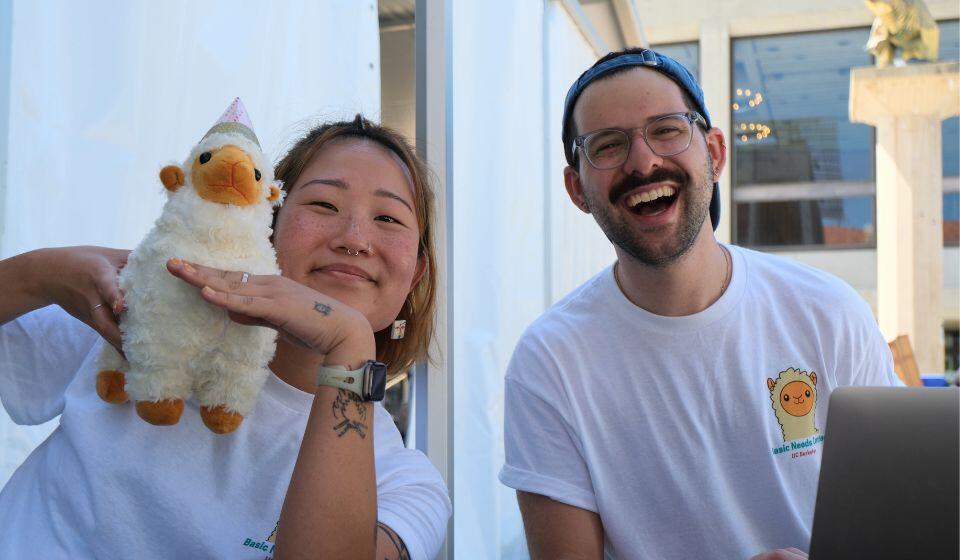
{"x": 398, "y": 329}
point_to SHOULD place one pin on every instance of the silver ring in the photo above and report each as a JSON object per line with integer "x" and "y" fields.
{"x": 95, "y": 307}
{"x": 244, "y": 278}
{"x": 353, "y": 253}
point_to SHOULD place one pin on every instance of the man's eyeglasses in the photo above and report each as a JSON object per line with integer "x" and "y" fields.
{"x": 668, "y": 135}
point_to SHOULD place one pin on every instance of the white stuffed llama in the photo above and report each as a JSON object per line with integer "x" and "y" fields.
{"x": 218, "y": 214}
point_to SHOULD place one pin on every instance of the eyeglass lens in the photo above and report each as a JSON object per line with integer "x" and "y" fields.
{"x": 665, "y": 136}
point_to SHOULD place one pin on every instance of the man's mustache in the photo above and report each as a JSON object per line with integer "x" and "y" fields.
{"x": 633, "y": 181}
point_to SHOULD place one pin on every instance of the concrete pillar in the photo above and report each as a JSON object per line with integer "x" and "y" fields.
{"x": 715, "y": 81}
{"x": 907, "y": 105}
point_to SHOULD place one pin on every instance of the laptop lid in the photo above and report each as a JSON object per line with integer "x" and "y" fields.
{"x": 890, "y": 476}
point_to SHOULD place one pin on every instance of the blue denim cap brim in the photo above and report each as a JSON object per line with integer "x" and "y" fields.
{"x": 648, "y": 59}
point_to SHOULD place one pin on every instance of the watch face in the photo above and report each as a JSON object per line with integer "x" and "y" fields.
{"x": 378, "y": 381}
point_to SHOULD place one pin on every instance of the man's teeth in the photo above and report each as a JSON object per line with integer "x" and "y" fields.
{"x": 647, "y": 196}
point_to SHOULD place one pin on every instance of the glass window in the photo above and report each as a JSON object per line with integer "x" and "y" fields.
{"x": 827, "y": 221}
{"x": 803, "y": 174}
{"x": 951, "y": 339}
{"x": 687, "y": 54}
{"x": 950, "y": 51}
{"x": 951, "y": 218}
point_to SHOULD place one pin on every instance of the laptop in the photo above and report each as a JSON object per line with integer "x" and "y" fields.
{"x": 890, "y": 476}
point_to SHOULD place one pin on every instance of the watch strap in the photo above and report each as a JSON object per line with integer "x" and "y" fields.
{"x": 342, "y": 378}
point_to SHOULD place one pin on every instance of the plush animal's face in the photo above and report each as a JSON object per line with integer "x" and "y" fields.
{"x": 797, "y": 398}
{"x": 348, "y": 229}
{"x": 227, "y": 175}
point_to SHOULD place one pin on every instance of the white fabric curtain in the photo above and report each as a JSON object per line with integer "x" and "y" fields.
{"x": 578, "y": 249}
{"x": 498, "y": 243}
{"x": 518, "y": 242}
{"x": 103, "y": 94}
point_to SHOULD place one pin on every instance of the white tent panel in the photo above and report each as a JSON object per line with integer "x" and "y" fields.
{"x": 518, "y": 242}
{"x": 103, "y": 94}
{"x": 578, "y": 249}
{"x": 498, "y": 250}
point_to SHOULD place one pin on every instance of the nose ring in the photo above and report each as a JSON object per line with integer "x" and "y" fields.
{"x": 356, "y": 253}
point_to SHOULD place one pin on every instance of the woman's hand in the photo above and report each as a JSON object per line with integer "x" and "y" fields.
{"x": 300, "y": 314}
{"x": 84, "y": 281}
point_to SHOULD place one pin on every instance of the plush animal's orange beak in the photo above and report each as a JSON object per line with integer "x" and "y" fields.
{"x": 227, "y": 175}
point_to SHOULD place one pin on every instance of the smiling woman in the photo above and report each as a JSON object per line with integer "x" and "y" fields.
{"x": 354, "y": 245}
{"x": 402, "y": 205}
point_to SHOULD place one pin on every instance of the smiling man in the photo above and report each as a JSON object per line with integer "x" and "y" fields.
{"x": 672, "y": 406}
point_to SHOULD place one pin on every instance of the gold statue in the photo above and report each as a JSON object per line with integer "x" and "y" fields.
{"x": 903, "y": 24}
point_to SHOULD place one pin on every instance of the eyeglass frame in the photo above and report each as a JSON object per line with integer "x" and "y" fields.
{"x": 691, "y": 117}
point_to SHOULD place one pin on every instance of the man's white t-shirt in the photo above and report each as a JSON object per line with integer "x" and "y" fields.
{"x": 106, "y": 484}
{"x": 666, "y": 426}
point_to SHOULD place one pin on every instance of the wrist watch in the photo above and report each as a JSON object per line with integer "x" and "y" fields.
{"x": 369, "y": 381}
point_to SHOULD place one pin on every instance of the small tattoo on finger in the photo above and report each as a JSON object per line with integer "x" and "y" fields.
{"x": 322, "y": 308}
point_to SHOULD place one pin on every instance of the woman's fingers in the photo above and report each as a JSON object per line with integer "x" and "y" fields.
{"x": 242, "y": 294}
{"x": 108, "y": 286}
{"x": 105, "y": 323}
{"x": 220, "y": 280}
{"x": 121, "y": 261}
{"x": 109, "y": 301}
{"x": 249, "y": 306}
{"x": 299, "y": 313}
{"x": 295, "y": 318}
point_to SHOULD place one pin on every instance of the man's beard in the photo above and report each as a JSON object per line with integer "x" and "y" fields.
{"x": 621, "y": 232}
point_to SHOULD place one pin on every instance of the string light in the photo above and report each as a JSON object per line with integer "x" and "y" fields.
{"x": 753, "y": 131}
{"x": 747, "y": 98}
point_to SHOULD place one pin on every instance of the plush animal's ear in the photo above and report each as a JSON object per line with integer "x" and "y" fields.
{"x": 172, "y": 177}
{"x": 813, "y": 377}
{"x": 770, "y": 384}
{"x": 274, "y": 195}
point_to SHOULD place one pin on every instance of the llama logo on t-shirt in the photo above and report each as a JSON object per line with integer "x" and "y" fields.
{"x": 273, "y": 535}
{"x": 794, "y": 398}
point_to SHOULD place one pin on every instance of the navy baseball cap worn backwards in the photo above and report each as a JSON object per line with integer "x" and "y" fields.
{"x": 646, "y": 58}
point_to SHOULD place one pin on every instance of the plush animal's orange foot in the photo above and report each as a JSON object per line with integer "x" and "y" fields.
{"x": 161, "y": 413}
{"x": 219, "y": 419}
{"x": 110, "y": 387}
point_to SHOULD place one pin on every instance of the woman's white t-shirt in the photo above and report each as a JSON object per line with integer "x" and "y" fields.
{"x": 106, "y": 484}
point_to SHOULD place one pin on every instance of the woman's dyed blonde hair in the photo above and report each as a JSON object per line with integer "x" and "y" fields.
{"x": 417, "y": 311}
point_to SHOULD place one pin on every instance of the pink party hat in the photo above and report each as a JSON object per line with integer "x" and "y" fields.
{"x": 235, "y": 120}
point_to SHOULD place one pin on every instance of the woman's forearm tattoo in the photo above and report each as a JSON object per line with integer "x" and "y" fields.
{"x": 322, "y": 308}
{"x": 395, "y": 539}
{"x": 352, "y": 413}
